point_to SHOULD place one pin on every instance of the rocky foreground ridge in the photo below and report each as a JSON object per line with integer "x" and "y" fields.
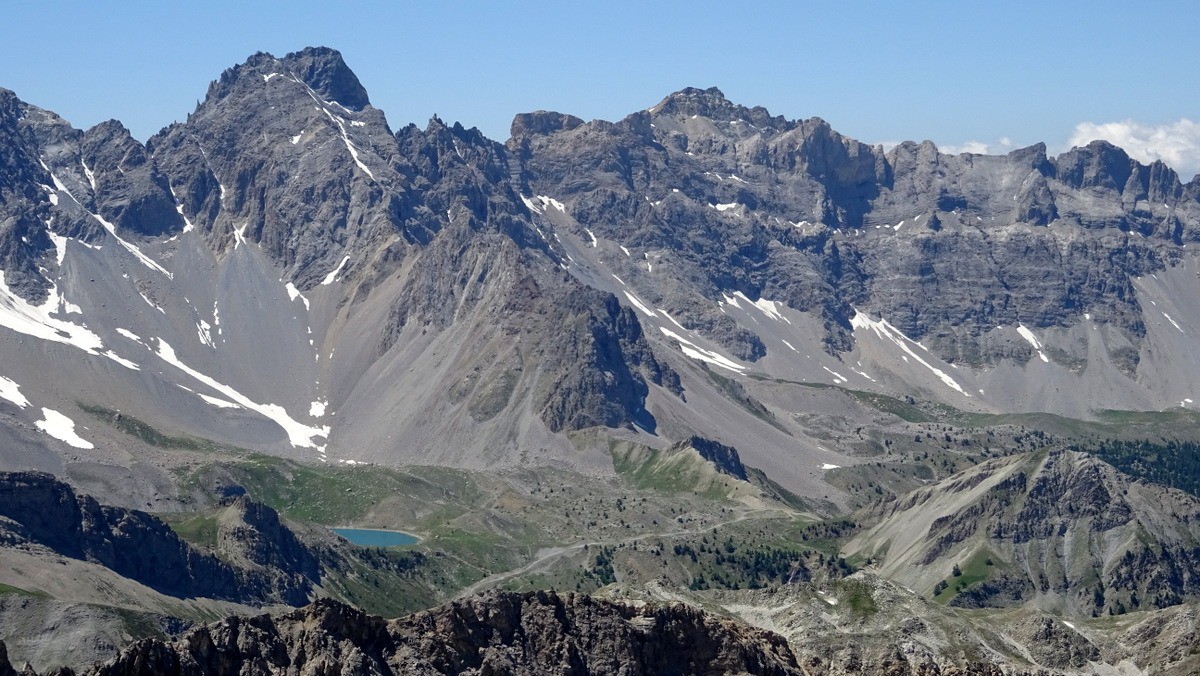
{"x": 498, "y": 633}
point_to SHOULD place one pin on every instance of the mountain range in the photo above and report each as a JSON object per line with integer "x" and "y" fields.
{"x": 700, "y": 297}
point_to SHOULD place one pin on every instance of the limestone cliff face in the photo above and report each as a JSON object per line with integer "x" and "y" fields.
{"x": 945, "y": 246}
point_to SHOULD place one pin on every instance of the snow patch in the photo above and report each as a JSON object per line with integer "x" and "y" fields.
{"x": 187, "y": 224}
{"x": 332, "y": 276}
{"x": 122, "y": 361}
{"x": 204, "y": 330}
{"x": 694, "y": 351}
{"x": 627, "y": 255}
{"x": 294, "y": 293}
{"x": 18, "y": 315}
{"x": 838, "y": 378}
{"x": 1173, "y": 322}
{"x": 317, "y": 409}
{"x": 828, "y": 466}
{"x": 298, "y": 434}
{"x": 349, "y": 146}
{"x": 1032, "y": 340}
{"x": 772, "y": 309}
{"x": 151, "y": 303}
{"x": 595, "y": 243}
{"x": 112, "y": 230}
{"x": 671, "y": 319}
{"x": 62, "y": 428}
{"x": 90, "y": 176}
{"x": 11, "y": 391}
{"x": 863, "y": 374}
{"x": 215, "y": 401}
{"x": 239, "y": 235}
{"x": 886, "y": 331}
{"x": 637, "y": 302}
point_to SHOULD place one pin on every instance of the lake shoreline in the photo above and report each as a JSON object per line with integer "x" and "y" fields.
{"x": 375, "y": 537}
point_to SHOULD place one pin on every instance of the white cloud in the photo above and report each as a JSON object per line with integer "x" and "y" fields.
{"x": 998, "y": 147}
{"x": 1176, "y": 143}
{"x": 973, "y": 147}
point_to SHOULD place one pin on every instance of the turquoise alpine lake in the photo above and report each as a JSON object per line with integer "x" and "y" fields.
{"x": 369, "y": 537}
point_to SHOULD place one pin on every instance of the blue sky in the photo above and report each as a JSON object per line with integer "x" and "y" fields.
{"x": 967, "y": 75}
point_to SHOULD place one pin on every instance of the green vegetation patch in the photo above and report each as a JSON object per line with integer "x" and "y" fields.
{"x": 905, "y": 410}
{"x": 671, "y": 471}
{"x": 859, "y": 596}
{"x": 143, "y": 431}
{"x": 978, "y": 568}
{"x": 326, "y": 495}
{"x": 198, "y": 528}
{"x": 9, "y": 589}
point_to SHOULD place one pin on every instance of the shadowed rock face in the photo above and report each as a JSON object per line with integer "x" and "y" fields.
{"x": 724, "y": 458}
{"x": 40, "y": 510}
{"x": 499, "y": 633}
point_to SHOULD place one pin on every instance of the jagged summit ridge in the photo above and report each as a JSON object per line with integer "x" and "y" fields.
{"x": 320, "y": 68}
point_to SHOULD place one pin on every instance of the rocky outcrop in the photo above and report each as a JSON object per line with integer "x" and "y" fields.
{"x": 250, "y": 533}
{"x": 724, "y": 458}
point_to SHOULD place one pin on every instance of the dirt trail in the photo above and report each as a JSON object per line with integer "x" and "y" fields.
{"x": 545, "y": 556}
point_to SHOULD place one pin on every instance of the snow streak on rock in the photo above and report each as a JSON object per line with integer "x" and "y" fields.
{"x": 888, "y": 332}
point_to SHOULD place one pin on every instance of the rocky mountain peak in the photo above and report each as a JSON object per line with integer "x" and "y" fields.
{"x": 326, "y": 72}
{"x": 1032, "y": 156}
{"x": 542, "y": 123}
{"x": 321, "y": 69}
{"x": 712, "y": 104}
